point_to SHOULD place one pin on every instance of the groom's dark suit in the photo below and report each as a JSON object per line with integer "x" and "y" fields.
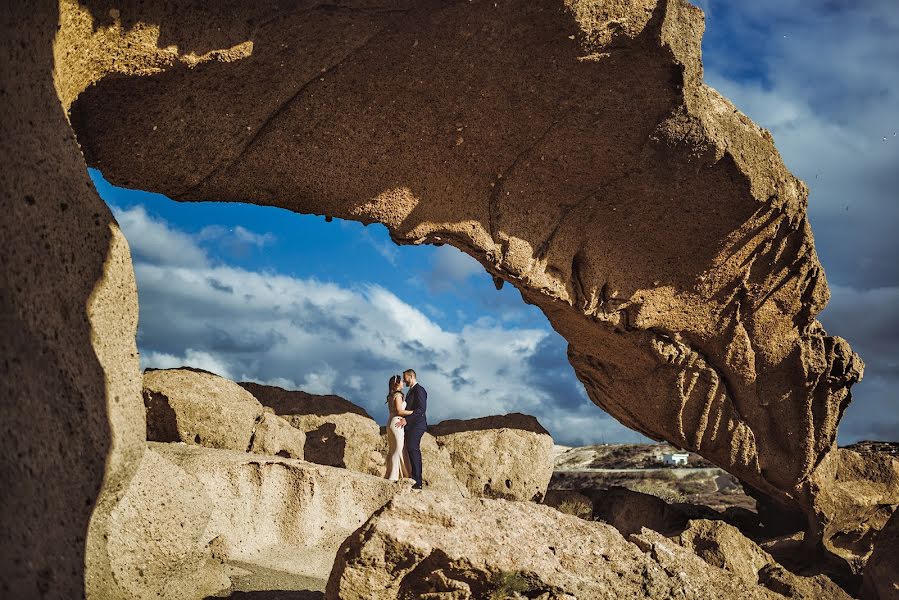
{"x": 416, "y": 425}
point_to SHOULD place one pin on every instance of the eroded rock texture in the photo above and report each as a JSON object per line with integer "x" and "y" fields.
{"x": 548, "y": 140}
{"x": 197, "y": 407}
{"x": 190, "y": 508}
{"x": 338, "y": 433}
{"x": 424, "y": 545}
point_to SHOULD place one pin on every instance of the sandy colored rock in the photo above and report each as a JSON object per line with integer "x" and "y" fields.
{"x": 198, "y": 407}
{"x": 190, "y": 508}
{"x": 161, "y": 544}
{"x": 338, "y": 432}
{"x": 702, "y": 332}
{"x": 422, "y": 545}
{"x": 502, "y": 456}
{"x": 71, "y": 416}
{"x": 880, "y": 580}
{"x": 629, "y": 512}
{"x": 275, "y": 436}
{"x": 855, "y": 495}
{"x": 722, "y": 545}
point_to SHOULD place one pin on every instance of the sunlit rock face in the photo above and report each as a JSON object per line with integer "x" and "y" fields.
{"x": 570, "y": 147}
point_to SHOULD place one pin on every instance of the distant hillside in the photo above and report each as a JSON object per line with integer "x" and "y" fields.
{"x": 620, "y": 456}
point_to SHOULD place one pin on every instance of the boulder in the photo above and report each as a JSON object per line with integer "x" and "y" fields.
{"x": 854, "y": 497}
{"x": 502, "y": 456}
{"x": 629, "y": 511}
{"x": 722, "y": 545}
{"x": 275, "y": 436}
{"x": 160, "y": 545}
{"x": 427, "y": 545}
{"x": 880, "y": 580}
{"x": 338, "y": 432}
{"x": 189, "y": 509}
{"x": 198, "y": 407}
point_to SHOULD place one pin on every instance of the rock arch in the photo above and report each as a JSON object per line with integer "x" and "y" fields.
{"x": 570, "y": 147}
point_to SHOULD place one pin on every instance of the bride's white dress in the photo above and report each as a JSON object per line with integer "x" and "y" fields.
{"x": 397, "y": 460}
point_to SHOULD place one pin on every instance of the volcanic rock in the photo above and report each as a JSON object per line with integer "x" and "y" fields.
{"x": 190, "y": 508}
{"x": 426, "y": 545}
{"x": 338, "y": 432}
{"x": 198, "y": 407}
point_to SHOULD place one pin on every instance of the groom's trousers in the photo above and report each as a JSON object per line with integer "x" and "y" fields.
{"x": 413, "y": 447}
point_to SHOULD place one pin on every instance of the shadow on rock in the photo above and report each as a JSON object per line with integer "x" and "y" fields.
{"x": 274, "y": 595}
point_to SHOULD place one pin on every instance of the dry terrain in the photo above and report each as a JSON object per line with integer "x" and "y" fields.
{"x": 635, "y": 467}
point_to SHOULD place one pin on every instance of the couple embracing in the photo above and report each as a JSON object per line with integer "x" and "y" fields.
{"x": 408, "y": 422}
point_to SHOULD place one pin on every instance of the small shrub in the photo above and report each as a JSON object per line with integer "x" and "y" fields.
{"x": 577, "y": 507}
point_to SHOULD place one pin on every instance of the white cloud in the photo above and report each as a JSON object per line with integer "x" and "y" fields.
{"x": 324, "y": 338}
{"x": 190, "y": 358}
{"x": 450, "y": 267}
{"x": 154, "y": 241}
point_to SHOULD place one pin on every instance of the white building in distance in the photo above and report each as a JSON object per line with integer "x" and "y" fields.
{"x": 675, "y": 458}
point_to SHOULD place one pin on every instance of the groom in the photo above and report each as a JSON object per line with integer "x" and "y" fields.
{"x": 416, "y": 424}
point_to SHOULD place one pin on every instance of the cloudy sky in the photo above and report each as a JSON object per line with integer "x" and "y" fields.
{"x": 257, "y": 293}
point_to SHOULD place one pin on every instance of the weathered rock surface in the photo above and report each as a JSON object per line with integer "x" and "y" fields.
{"x": 502, "y": 456}
{"x": 71, "y": 417}
{"x": 159, "y": 544}
{"x": 197, "y": 407}
{"x": 701, "y": 332}
{"x": 189, "y": 508}
{"x": 854, "y": 497}
{"x": 338, "y": 432}
{"x": 629, "y": 512}
{"x": 422, "y": 545}
{"x": 722, "y": 545}
{"x": 275, "y": 436}
{"x": 880, "y": 580}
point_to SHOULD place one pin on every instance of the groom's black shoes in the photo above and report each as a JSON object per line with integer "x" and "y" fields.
{"x": 416, "y": 487}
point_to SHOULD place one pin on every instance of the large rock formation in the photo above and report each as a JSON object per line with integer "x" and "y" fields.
{"x": 881, "y": 575}
{"x": 197, "y": 407}
{"x": 338, "y": 432}
{"x": 500, "y": 456}
{"x": 189, "y": 508}
{"x": 546, "y": 139}
{"x": 424, "y": 543}
{"x": 722, "y": 545}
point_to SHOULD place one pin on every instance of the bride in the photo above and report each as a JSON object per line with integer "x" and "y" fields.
{"x": 397, "y": 459}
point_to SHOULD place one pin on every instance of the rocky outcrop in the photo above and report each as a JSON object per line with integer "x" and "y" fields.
{"x": 338, "y": 432}
{"x": 701, "y": 332}
{"x": 629, "y": 512}
{"x": 423, "y": 545}
{"x": 189, "y": 508}
{"x": 197, "y": 407}
{"x": 722, "y": 545}
{"x": 854, "y": 497}
{"x": 275, "y": 436}
{"x": 880, "y": 580}
{"x": 501, "y": 456}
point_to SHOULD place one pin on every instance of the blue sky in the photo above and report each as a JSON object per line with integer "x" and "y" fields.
{"x": 259, "y": 293}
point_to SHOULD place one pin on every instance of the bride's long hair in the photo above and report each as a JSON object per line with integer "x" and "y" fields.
{"x": 390, "y": 391}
